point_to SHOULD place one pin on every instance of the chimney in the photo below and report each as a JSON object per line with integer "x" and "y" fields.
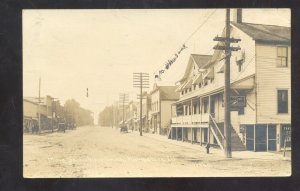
{"x": 237, "y": 15}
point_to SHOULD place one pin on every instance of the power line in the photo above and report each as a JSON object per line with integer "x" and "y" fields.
{"x": 197, "y": 29}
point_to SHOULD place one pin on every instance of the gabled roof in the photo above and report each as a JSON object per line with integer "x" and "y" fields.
{"x": 30, "y": 100}
{"x": 265, "y": 33}
{"x": 35, "y": 100}
{"x": 168, "y": 93}
{"x": 199, "y": 59}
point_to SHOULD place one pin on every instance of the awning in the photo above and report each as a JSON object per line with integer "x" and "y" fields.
{"x": 198, "y": 78}
{"x": 245, "y": 83}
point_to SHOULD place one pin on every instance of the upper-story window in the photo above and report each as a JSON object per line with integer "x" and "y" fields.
{"x": 282, "y": 56}
{"x": 282, "y": 104}
{"x": 182, "y": 92}
{"x": 190, "y": 89}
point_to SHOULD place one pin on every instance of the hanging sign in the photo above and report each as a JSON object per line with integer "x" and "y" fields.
{"x": 237, "y": 101}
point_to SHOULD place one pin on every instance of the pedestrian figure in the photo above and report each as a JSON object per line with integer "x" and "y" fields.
{"x": 207, "y": 148}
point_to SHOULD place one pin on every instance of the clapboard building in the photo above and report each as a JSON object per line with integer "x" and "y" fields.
{"x": 260, "y": 91}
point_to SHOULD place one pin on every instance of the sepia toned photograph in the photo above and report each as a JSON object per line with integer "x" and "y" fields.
{"x": 111, "y": 93}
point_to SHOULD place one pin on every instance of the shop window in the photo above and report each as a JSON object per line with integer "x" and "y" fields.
{"x": 261, "y": 137}
{"x": 282, "y": 103}
{"x": 250, "y": 137}
{"x": 282, "y": 56}
{"x": 271, "y": 137}
{"x": 285, "y": 135}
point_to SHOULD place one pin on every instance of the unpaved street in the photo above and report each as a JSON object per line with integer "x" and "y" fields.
{"x": 105, "y": 152}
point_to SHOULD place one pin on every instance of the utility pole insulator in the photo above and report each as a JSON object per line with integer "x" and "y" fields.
{"x": 224, "y": 39}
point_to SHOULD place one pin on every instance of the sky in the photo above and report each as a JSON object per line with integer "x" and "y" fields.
{"x": 72, "y": 50}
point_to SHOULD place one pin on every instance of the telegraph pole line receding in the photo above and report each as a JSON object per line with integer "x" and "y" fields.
{"x": 227, "y": 49}
{"x": 123, "y": 100}
{"x": 141, "y": 80}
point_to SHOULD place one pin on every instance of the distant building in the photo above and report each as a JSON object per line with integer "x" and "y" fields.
{"x": 146, "y": 108}
{"x": 31, "y": 110}
{"x": 260, "y": 90}
{"x": 131, "y": 115}
{"x": 162, "y": 97}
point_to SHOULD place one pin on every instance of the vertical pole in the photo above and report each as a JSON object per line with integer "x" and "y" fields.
{"x": 123, "y": 107}
{"x": 192, "y": 135}
{"x": 141, "y": 89}
{"x": 52, "y": 113}
{"x": 39, "y": 105}
{"x": 267, "y": 137}
{"x": 209, "y": 121}
{"x": 112, "y": 120}
{"x": 227, "y": 128}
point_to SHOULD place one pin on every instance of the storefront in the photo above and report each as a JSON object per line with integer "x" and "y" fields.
{"x": 267, "y": 137}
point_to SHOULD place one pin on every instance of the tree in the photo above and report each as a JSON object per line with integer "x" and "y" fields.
{"x": 76, "y": 114}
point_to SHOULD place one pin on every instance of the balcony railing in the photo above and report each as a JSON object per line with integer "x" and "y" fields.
{"x": 191, "y": 119}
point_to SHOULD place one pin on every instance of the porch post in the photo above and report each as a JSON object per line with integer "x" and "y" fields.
{"x": 192, "y": 135}
{"x": 200, "y": 132}
{"x": 182, "y": 134}
{"x": 267, "y": 137}
{"x": 209, "y": 120}
{"x": 200, "y": 109}
{"x": 191, "y": 109}
{"x": 254, "y": 138}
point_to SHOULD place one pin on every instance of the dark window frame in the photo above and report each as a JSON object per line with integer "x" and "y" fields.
{"x": 282, "y": 61}
{"x": 283, "y": 107}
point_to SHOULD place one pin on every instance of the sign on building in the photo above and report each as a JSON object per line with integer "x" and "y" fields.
{"x": 237, "y": 101}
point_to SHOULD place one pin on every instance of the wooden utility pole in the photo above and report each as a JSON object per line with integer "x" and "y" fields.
{"x": 39, "y": 105}
{"x": 227, "y": 40}
{"x": 124, "y": 100}
{"x": 227, "y": 121}
{"x": 141, "y": 80}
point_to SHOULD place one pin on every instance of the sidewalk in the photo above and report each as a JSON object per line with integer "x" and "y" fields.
{"x": 219, "y": 152}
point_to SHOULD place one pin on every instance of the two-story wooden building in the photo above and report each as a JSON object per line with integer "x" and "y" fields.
{"x": 162, "y": 97}
{"x": 260, "y": 77}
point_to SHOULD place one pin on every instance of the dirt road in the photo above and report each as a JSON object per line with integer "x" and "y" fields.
{"x": 105, "y": 152}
